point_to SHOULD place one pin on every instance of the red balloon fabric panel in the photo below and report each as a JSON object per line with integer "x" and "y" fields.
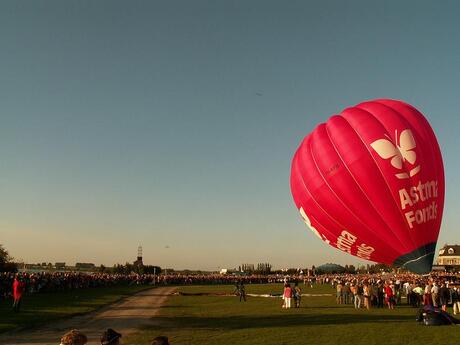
{"x": 370, "y": 182}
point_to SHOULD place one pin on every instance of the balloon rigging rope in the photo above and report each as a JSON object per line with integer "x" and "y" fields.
{"x": 415, "y": 260}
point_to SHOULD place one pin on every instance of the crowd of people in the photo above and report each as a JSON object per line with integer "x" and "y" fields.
{"x": 438, "y": 290}
{"x": 348, "y": 284}
{"x": 60, "y": 281}
{"x": 366, "y": 291}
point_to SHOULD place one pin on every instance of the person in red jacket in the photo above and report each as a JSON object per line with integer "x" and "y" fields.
{"x": 18, "y": 291}
{"x": 390, "y": 296}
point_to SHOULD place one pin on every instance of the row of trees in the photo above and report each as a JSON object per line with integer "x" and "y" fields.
{"x": 6, "y": 261}
{"x": 131, "y": 268}
{"x": 351, "y": 269}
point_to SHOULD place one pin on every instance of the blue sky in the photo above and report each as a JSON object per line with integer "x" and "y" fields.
{"x": 172, "y": 124}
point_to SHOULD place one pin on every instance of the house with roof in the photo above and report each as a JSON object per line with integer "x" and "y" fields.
{"x": 449, "y": 257}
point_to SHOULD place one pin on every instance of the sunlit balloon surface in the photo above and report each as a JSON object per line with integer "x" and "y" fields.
{"x": 370, "y": 182}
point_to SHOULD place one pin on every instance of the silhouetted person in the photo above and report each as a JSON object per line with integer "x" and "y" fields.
{"x": 242, "y": 292}
{"x": 18, "y": 291}
{"x": 110, "y": 337}
{"x": 161, "y": 340}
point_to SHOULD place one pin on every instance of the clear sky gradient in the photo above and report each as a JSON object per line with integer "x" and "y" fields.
{"x": 172, "y": 124}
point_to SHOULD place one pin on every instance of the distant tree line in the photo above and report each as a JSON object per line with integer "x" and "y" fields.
{"x": 6, "y": 261}
{"x": 351, "y": 269}
{"x": 131, "y": 268}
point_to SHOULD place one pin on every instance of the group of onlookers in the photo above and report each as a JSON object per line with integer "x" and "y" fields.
{"x": 61, "y": 281}
{"x": 365, "y": 294}
{"x": 361, "y": 290}
{"x": 109, "y": 337}
{"x": 291, "y": 294}
{"x": 438, "y": 290}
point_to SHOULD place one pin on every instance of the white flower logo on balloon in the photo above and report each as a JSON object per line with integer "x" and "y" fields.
{"x": 399, "y": 153}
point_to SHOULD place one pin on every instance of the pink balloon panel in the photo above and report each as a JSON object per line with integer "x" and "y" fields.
{"x": 370, "y": 182}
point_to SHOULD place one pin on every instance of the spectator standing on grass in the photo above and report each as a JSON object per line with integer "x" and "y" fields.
{"x": 297, "y": 293}
{"x": 358, "y": 296}
{"x": 18, "y": 291}
{"x": 242, "y": 291}
{"x": 380, "y": 295}
{"x": 455, "y": 300}
{"x": 427, "y": 300}
{"x": 74, "y": 337}
{"x": 346, "y": 292}
{"x": 110, "y": 337}
{"x": 237, "y": 289}
{"x": 287, "y": 295}
{"x": 339, "y": 290}
{"x": 435, "y": 294}
{"x": 353, "y": 291}
{"x": 444, "y": 295}
{"x": 367, "y": 291}
{"x": 390, "y": 297}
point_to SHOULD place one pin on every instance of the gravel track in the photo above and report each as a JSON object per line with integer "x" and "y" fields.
{"x": 125, "y": 316}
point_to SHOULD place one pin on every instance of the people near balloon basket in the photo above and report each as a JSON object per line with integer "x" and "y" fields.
{"x": 287, "y": 296}
{"x": 389, "y": 295}
{"x": 435, "y": 294}
{"x": 346, "y": 293}
{"x": 74, "y": 337}
{"x": 367, "y": 292}
{"x": 415, "y": 295}
{"x": 380, "y": 292}
{"x": 427, "y": 300}
{"x": 444, "y": 296}
{"x": 358, "y": 295}
{"x": 455, "y": 300}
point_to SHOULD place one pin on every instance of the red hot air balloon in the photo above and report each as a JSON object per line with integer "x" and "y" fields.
{"x": 370, "y": 182}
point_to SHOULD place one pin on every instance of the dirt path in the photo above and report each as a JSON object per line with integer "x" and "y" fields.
{"x": 125, "y": 317}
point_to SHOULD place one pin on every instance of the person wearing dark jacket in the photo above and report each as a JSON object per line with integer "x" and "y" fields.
{"x": 455, "y": 300}
{"x": 444, "y": 295}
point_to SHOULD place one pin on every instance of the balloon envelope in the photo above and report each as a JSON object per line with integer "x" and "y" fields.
{"x": 370, "y": 182}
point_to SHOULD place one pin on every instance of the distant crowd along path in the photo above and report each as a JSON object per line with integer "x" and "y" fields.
{"x": 126, "y": 317}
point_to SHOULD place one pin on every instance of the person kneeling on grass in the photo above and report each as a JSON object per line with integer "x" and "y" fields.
{"x": 74, "y": 337}
{"x": 110, "y": 337}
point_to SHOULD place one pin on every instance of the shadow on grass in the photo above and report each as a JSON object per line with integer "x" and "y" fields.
{"x": 244, "y": 322}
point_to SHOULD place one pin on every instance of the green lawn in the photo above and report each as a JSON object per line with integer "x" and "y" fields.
{"x": 224, "y": 320}
{"x": 44, "y": 307}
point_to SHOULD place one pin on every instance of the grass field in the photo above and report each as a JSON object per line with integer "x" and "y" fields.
{"x": 224, "y": 320}
{"x": 45, "y": 307}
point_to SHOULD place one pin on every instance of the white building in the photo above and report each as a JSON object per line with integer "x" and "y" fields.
{"x": 449, "y": 256}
